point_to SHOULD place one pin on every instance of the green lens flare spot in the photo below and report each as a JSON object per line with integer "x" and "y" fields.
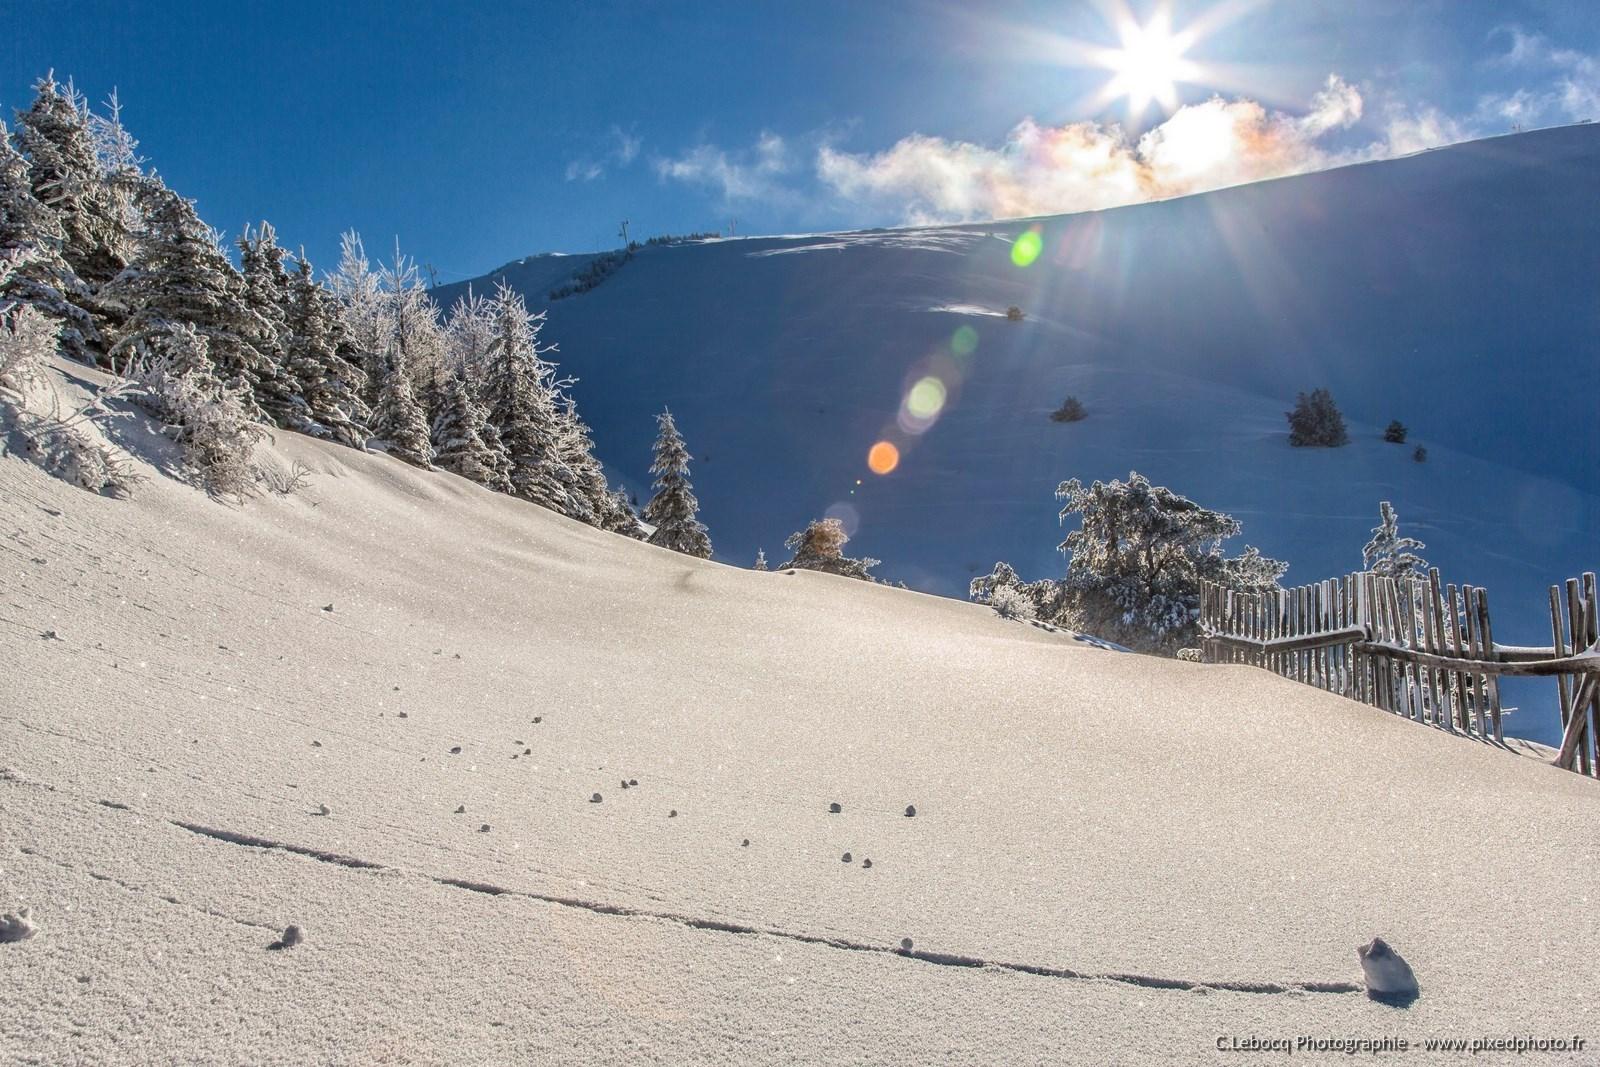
{"x": 926, "y": 398}
{"x": 1026, "y": 248}
{"x": 965, "y": 341}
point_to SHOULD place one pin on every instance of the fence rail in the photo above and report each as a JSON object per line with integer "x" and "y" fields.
{"x": 1417, "y": 648}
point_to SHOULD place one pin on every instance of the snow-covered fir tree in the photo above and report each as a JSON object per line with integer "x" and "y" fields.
{"x": 65, "y": 173}
{"x": 522, "y": 403}
{"x": 761, "y": 560}
{"x": 469, "y": 335}
{"x": 1137, "y": 559}
{"x": 31, "y": 243}
{"x": 362, "y": 314}
{"x": 412, "y": 335}
{"x": 458, "y": 434}
{"x": 673, "y": 510}
{"x": 266, "y": 293}
{"x": 1390, "y": 555}
{"x": 181, "y": 276}
{"x": 820, "y": 547}
{"x": 398, "y": 419}
{"x": 330, "y": 384}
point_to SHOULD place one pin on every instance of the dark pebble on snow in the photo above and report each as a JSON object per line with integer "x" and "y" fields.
{"x": 845, "y": 858}
{"x": 455, "y": 750}
{"x": 834, "y": 808}
{"x": 911, "y": 811}
{"x": 595, "y": 799}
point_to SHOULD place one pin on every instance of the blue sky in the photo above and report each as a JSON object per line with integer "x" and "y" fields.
{"x": 480, "y": 135}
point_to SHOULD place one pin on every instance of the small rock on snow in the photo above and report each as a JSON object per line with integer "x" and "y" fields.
{"x": 595, "y": 799}
{"x": 461, "y": 810}
{"x": 905, "y": 944}
{"x": 327, "y": 607}
{"x": 17, "y": 926}
{"x": 292, "y": 936}
{"x": 483, "y": 829}
{"x": 1389, "y": 977}
{"x": 834, "y": 808}
{"x": 455, "y": 750}
{"x": 866, "y": 864}
{"x": 911, "y": 811}
{"x": 845, "y": 858}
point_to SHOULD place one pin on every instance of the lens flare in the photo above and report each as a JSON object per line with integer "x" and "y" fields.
{"x": 1026, "y": 248}
{"x": 883, "y": 457}
{"x": 848, "y": 517}
{"x": 964, "y": 341}
{"x": 926, "y": 398}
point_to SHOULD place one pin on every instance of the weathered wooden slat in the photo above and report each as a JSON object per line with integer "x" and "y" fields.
{"x": 1492, "y": 681}
{"x": 1577, "y": 726}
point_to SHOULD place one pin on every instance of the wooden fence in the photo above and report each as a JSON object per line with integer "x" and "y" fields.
{"x": 1417, "y": 648}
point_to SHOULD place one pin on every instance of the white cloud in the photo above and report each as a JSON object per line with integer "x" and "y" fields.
{"x": 1568, "y": 88}
{"x": 584, "y": 170}
{"x": 1042, "y": 170}
{"x": 749, "y": 174}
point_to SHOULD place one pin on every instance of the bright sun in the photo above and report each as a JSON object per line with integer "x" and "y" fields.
{"x": 1149, "y": 65}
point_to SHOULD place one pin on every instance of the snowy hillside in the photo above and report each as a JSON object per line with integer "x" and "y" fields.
{"x": 1453, "y": 290}
{"x": 398, "y": 711}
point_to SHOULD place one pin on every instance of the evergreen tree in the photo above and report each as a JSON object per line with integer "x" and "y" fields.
{"x": 412, "y": 335}
{"x": 820, "y": 547}
{"x": 65, "y": 174}
{"x": 469, "y": 335}
{"x": 761, "y": 560}
{"x": 266, "y": 294}
{"x": 399, "y": 421}
{"x": 330, "y": 384}
{"x": 31, "y": 242}
{"x": 1390, "y": 555}
{"x": 458, "y": 434}
{"x": 1137, "y": 559}
{"x": 522, "y": 403}
{"x": 180, "y": 276}
{"x": 1315, "y": 421}
{"x": 362, "y": 315}
{"x": 1395, "y": 432}
{"x": 673, "y": 509}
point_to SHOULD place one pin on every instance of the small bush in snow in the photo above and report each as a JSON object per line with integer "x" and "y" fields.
{"x": 209, "y": 419}
{"x": 1014, "y": 313}
{"x": 1009, "y": 602}
{"x": 283, "y": 481}
{"x": 1395, "y": 432}
{"x": 27, "y": 339}
{"x": 819, "y": 547}
{"x": 1071, "y": 410}
{"x": 1191, "y": 655}
{"x": 1420, "y": 455}
{"x": 65, "y": 447}
{"x": 1315, "y": 421}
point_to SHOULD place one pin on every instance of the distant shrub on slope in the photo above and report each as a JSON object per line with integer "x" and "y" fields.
{"x": 1071, "y": 410}
{"x": 1315, "y": 422}
{"x": 1395, "y": 432}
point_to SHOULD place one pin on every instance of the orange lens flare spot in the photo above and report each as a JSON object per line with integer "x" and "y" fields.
{"x": 883, "y": 457}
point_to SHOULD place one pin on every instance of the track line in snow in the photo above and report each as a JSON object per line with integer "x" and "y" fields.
{"x": 942, "y": 959}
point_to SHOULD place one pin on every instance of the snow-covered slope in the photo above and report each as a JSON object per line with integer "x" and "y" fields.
{"x": 379, "y": 709}
{"x": 1457, "y": 290}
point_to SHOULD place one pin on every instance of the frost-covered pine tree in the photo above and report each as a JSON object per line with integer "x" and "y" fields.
{"x": 522, "y": 404}
{"x": 469, "y": 335}
{"x": 412, "y": 335}
{"x": 820, "y": 547}
{"x": 266, "y": 293}
{"x": 330, "y": 384}
{"x": 209, "y": 418}
{"x": 362, "y": 314}
{"x": 31, "y": 242}
{"x": 673, "y": 509}
{"x": 180, "y": 276}
{"x": 458, "y": 434}
{"x": 398, "y": 419}
{"x": 65, "y": 173}
{"x": 1390, "y": 555}
{"x": 761, "y": 560}
{"x": 1138, "y": 557}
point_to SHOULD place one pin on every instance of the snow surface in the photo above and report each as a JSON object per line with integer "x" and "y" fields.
{"x": 1453, "y": 290}
{"x": 1125, "y": 819}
